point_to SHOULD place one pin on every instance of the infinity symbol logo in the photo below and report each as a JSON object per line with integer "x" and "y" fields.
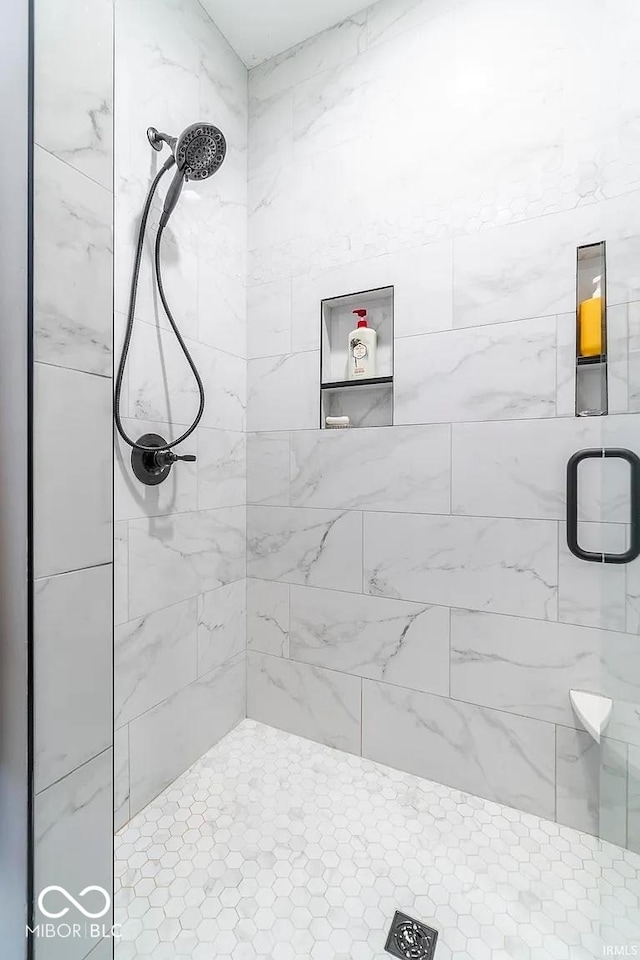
{"x": 78, "y": 906}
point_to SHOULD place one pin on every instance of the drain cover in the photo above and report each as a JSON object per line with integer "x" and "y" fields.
{"x": 411, "y": 940}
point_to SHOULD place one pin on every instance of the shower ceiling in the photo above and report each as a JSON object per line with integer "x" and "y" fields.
{"x": 260, "y": 29}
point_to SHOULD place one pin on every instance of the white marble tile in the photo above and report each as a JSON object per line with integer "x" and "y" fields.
{"x": 222, "y": 309}
{"x": 283, "y": 392}
{"x": 73, "y": 837}
{"x": 403, "y": 468}
{"x": 593, "y": 594}
{"x": 121, "y": 572}
{"x": 173, "y": 558}
{"x": 179, "y": 266}
{"x": 633, "y": 596}
{"x": 73, "y": 706}
{"x": 225, "y": 384}
{"x": 166, "y": 740}
{"x": 390, "y": 18}
{"x": 578, "y": 780}
{"x": 121, "y": 770}
{"x": 618, "y": 357}
{"x": 73, "y": 268}
{"x": 505, "y": 758}
{"x": 222, "y": 625}
{"x": 566, "y": 365}
{"x": 613, "y": 791}
{"x": 221, "y": 468}
{"x": 270, "y": 131}
{"x": 619, "y": 224}
{"x": 72, "y": 509}
{"x": 502, "y": 566}
{"x": 268, "y": 468}
{"x": 269, "y": 319}
{"x": 74, "y": 85}
{"x": 633, "y": 319}
{"x": 162, "y": 387}
{"x": 422, "y": 281}
{"x": 518, "y": 468}
{"x": 633, "y": 795}
{"x": 321, "y": 548}
{"x": 527, "y": 667}
{"x": 518, "y": 271}
{"x": 319, "y": 704}
{"x": 268, "y": 617}
{"x": 403, "y": 643}
{"x": 177, "y": 494}
{"x": 505, "y": 371}
{"x": 324, "y": 51}
{"x": 155, "y": 656}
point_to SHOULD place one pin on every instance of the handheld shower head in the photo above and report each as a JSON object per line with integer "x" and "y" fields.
{"x": 199, "y": 152}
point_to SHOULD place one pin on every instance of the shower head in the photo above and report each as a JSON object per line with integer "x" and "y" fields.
{"x": 200, "y": 150}
{"x": 198, "y": 153}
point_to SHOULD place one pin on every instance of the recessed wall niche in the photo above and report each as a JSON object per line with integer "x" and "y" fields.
{"x": 591, "y": 331}
{"x": 365, "y": 398}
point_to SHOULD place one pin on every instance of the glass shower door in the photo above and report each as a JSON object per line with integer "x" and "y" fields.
{"x": 619, "y": 749}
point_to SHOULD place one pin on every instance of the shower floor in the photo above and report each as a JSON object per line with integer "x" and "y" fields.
{"x": 272, "y": 846}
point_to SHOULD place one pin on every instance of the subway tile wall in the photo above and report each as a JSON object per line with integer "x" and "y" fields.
{"x": 180, "y": 554}
{"x": 410, "y": 594}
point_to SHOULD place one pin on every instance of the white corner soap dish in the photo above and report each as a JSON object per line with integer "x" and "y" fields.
{"x": 593, "y": 710}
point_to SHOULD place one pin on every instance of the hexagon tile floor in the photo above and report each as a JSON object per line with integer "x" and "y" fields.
{"x": 275, "y": 847}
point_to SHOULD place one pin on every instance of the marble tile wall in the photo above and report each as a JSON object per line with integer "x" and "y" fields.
{"x": 410, "y": 595}
{"x": 180, "y": 594}
{"x": 73, "y": 514}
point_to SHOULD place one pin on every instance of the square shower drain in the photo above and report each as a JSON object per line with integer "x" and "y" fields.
{"x": 411, "y": 940}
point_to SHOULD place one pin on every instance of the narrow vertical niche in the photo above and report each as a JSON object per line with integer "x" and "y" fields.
{"x": 591, "y": 331}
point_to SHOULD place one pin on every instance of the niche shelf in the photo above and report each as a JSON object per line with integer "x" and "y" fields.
{"x": 591, "y": 331}
{"x": 368, "y": 402}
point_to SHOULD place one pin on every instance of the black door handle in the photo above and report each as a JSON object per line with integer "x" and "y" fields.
{"x": 598, "y": 453}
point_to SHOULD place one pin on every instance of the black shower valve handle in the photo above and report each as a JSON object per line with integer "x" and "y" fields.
{"x": 164, "y": 458}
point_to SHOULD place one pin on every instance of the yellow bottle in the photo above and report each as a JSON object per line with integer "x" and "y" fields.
{"x": 590, "y": 323}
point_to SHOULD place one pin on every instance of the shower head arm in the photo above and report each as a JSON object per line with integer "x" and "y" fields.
{"x": 156, "y": 138}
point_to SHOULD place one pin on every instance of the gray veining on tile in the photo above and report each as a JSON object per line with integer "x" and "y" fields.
{"x": 393, "y": 640}
{"x": 121, "y": 770}
{"x": 221, "y": 469}
{"x": 167, "y": 739}
{"x": 320, "y": 548}
{"x": 578, "y": 780}
{"x": 155, "y": 656}
{"x": 74, "y": 85}
{"x": 172, "y": 558}
{"x": 268, "y": 468}
{"x": 221, "y": 625}
{"x": 268, "y": 617}
{"x": 73, "y": 272}
{"x": 404, "y": 468}
{"x": 527, "y": 667}
{"x": 74, "y": 843}
{"x": 486, "y": 752}
{"x": 498, "y": 372}
{"x": 283, "y": 392}
{"x": 320, "y": 704}
{"x": 503, "y": 566}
